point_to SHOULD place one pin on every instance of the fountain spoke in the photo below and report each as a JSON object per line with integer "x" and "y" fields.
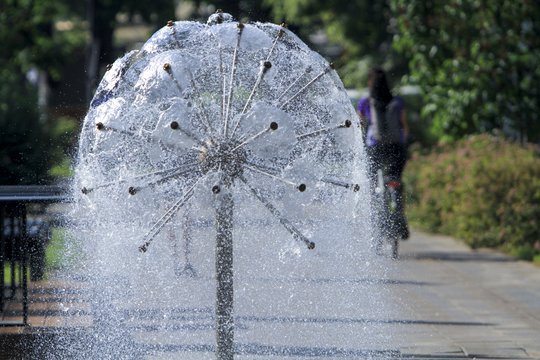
{"x": 305, "y": 87}
{"x": 279, "y": 36}
{"x": 187, "y": 228}
{"x": 102, "y": 127}
{"x": 86, "y": 190}
{"x": 200, "y": 106}
{"x": 306, "y": 71}
{"x": 190, "y": 171}
{"x": 165, "y": 218}
{"x": 170, "y": 24}
{"x": 206, "y": 123}
{"x": 268, "y": 169}
{"x": 168, "y": 70}
{"x": 340, "y": 183}
{"x": 297, "y": 234}
{"x": 273, "y": 126}
{"x": 323, "y": 131}
{"x": 232, "y": 80}
{"x": 265, "y": 66}
{"x": 176, "y": 126}
{"x": 130, "y": 134}
{"x": 299, "y": 187}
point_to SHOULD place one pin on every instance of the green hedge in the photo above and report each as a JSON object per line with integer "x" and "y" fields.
{"x": 482, "y": 189}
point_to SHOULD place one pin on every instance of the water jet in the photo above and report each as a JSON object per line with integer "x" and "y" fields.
{"x": 238, "y": 135}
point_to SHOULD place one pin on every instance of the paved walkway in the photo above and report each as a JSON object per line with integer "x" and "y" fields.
{"x": 444, "y": 302}
{"x": 463, "y": 303}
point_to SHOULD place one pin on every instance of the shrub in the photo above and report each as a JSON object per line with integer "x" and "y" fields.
{"x": 482, "y": 189}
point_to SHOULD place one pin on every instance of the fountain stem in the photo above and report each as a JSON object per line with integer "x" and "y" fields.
{"x": 224, "y": 274}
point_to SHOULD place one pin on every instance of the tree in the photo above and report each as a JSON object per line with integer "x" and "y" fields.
{"x": 39, "y": 38}
{"x": 243, "y": 10}
{"x": 358, "y": 33}
{"x": 352, "y": 34}
{"x": 477, "y": 62}
{"x": 21, "y": 160}
{"x": 102, "y": 16}
{"x": 30, "y": 45}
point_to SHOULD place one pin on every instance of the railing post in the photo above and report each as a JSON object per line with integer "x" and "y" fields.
{"x": 24, "y": 261}
{"x": 2, "y": 255}
{"x": 13, "y": 225}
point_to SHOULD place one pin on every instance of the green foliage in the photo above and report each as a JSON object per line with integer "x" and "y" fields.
{"x": 31, "y": 41}
{"x": 482, "y": 189}
{"x": 105, "y": 21}
{"x": 62, "y": 251}
{"x": 29, "y": 145}
{"x": 243, "y": 10}
{"x": 54, "y": 259}
{"x": 21, "y": 159}
{"x": 359, "y": 26}
{"x": 357, "y": 32}
{"x": 478, "y": 63}
{"x": 62, "y": 136}
{"x": 525, "y": 252}
{"x": 7, "y": 275}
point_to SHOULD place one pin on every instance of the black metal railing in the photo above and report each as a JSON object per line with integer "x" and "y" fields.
{"x": 23, "y": 237}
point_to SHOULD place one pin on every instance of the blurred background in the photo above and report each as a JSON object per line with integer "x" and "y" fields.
{"x": 469, "y": 71}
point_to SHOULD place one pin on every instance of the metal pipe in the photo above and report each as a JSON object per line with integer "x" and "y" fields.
{"x": 134, "y": 189}
{"x": 265, "y": 66}
{"x": 347, "y": 185}
{"x": 254, "y": 137}
{"x": 297, "y": 235}
{"x": 168, "y": 70}
{"x": 174, "y": 170}
{"x": 224, "y": 276}
{"x": 24, "y": 260}
{"x": 3, "y": 215}
{"x": 165, "y": 218}
{"x": 231, "y": 82}
{"x": 200, "y": 106}
{"x": 12, "y": 259}
{"x": 300, "y": 187}
{"x": 311, "y": 82}
{"x": 346, "y": 124}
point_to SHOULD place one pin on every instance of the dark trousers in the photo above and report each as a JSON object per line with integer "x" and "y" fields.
{"x": 392, "y": 159}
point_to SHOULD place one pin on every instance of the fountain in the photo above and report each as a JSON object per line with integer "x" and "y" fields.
{"x": 216, "y": 142}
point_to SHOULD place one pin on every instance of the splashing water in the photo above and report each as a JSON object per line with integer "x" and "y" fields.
{"x": 212, "y": 119}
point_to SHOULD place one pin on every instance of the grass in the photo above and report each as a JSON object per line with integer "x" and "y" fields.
{"x": 56, "y": 257}
{"x": 60, "y": 252}
{"x": 54, "y": 252}
{"x": 7, "y": 274}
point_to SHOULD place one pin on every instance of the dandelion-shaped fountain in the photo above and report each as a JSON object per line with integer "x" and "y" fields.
{"x": 215, "y": 116}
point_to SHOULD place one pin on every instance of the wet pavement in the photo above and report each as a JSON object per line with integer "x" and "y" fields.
{"x": 444, "y": 301}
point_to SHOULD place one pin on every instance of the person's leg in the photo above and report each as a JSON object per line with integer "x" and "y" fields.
{"x": 373, "y": 164}
{"x": 395, "y": 157}
{"x": 400, "y": 157}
